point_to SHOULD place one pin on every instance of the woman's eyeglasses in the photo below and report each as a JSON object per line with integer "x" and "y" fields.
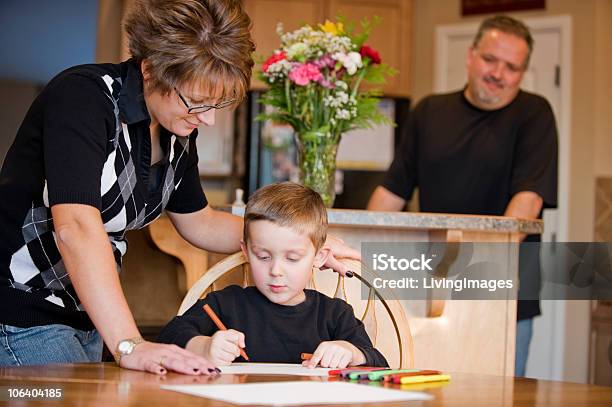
{"x": 203, "y": 108}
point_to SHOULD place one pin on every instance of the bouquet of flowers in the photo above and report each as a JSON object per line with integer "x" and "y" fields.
{"x": 315, "y": 82}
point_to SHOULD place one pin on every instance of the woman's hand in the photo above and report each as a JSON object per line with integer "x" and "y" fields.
{"x": 335, "y": 354}
{"x": 338, "y": 249}
{"x": 224, "y": 346}
{"x": 159, "y": 358}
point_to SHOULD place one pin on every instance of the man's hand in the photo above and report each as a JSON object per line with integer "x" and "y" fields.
{"x": 526, "y": 205}
{"x": 384, "y": 200}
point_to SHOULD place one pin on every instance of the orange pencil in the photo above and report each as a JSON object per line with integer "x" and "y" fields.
{"x": 220, "y": 325}
{"x": 306, "y": 356}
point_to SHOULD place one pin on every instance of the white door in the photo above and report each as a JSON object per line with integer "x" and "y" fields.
{"x": 548, "y": 75}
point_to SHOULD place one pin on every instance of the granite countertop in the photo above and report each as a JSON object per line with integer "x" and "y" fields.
{"x": 417, "y": 220}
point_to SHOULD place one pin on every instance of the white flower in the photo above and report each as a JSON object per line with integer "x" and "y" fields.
{"x": 296, "y": 50}
{"x": 278, "y": 70}
{"x": 343, "y": 97}
{"x": 337, "y": 100}
{"x": 317, "y": 43}
{"x": 350, "y": 61}
{"x": 343, "y": 114}
{"x": 334, "y": 44}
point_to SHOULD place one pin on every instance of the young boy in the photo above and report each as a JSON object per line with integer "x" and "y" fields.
{"x": 285, "y": 226}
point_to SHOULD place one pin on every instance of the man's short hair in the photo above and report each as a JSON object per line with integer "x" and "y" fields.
{"x": 506, "y": 25}
{"x": 290, "y": 205}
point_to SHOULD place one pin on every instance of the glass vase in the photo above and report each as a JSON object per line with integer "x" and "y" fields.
{"x": 317, "y": 162}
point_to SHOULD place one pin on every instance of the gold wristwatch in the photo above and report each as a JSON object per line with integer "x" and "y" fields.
{"x": 125, "y": 347}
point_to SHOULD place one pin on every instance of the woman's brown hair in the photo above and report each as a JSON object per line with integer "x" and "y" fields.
{"x": 193, "y": 42}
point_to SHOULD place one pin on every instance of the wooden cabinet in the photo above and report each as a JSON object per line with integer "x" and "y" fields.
{"x": 391, "y": 38}
{"x": 601, "y": 372}
{"x": 601, "y": 343}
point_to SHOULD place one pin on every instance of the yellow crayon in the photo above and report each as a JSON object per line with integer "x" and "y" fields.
{"x": 425, "y": 379}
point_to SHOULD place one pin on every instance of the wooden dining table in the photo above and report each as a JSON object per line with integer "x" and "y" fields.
{"x": 104, "y": 384}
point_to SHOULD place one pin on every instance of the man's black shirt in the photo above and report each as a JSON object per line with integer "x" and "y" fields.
{"x": 472, "y": 161}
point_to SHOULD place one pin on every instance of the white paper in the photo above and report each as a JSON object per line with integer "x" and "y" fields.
{"x": 297, "y": 393}
{"x": 273, "y": 369}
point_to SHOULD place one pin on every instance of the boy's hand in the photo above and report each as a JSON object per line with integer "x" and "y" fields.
{"x": 335, "y": 354}
{"x": 224, "y": 346}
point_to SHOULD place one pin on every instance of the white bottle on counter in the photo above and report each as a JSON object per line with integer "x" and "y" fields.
{"x": 239, "y": 201}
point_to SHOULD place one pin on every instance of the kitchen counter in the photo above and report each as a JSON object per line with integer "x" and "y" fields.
{"x": 419, "y": 220}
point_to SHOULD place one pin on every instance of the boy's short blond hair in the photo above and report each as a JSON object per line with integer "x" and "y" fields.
{"x": 290, "y": 205}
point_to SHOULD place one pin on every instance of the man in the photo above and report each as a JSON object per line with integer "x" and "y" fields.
{"x": 489, "y": 149}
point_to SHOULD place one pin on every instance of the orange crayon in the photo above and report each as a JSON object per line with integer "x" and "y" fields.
{"x": 306, "y": 356}
{"x": 220, "y": 325}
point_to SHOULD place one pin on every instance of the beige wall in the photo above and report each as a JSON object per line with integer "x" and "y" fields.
{"x": 591, "y": 138}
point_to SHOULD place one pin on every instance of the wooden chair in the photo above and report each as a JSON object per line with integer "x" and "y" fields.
{"x": 380, "y": 316}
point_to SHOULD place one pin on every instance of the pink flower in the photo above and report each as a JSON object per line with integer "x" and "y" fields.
{"x": 302, "y": 74}
{"x": 369, "y": 52}
{"x": 325, "y": 83}
{"x": 326, "y": 61}
{"x": 273, "y": 59}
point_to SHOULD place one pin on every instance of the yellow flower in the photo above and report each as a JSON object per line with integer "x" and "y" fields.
{"x": 332, "y": 28}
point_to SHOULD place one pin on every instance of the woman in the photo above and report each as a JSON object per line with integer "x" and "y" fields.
{"x": 104, "y": 149}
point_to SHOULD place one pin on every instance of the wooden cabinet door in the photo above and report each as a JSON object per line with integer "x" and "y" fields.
{"x": 266, "y": 14}
{"x": 601, "y": 354}
{"x": 391, "y": 37}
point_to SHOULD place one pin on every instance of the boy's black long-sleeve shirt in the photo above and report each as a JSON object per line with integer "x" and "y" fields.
{"x": 273, "y": 332}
